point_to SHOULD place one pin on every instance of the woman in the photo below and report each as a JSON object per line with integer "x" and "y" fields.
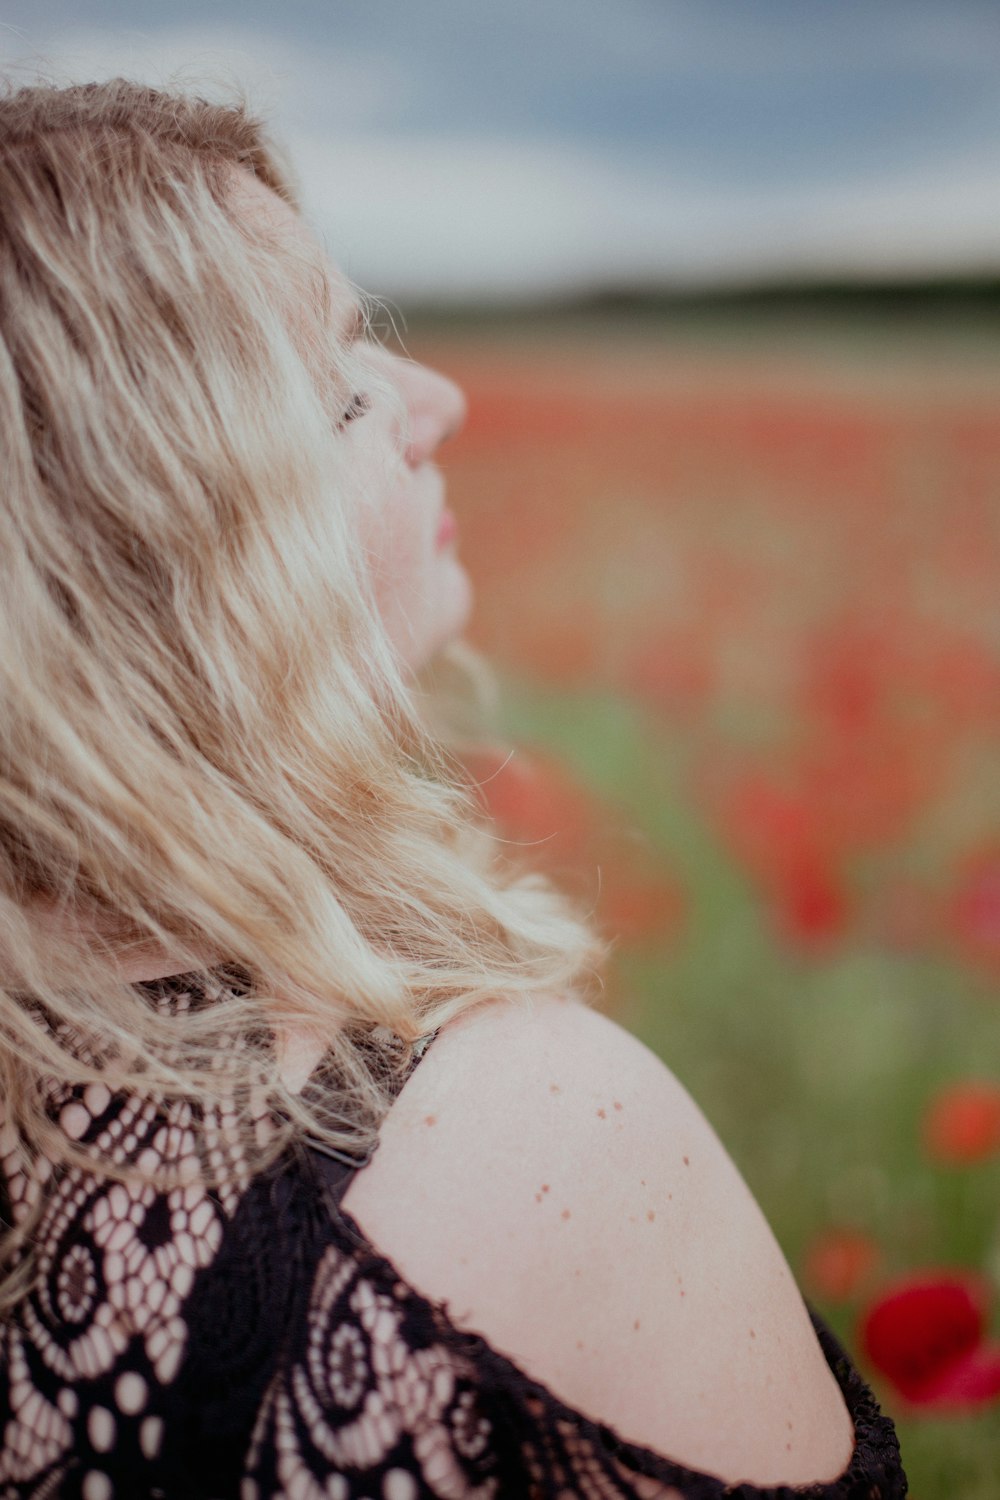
{"x": 244, "y": 893}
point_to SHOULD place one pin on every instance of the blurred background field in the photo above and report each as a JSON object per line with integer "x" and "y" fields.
{"x": 739, "y": 569}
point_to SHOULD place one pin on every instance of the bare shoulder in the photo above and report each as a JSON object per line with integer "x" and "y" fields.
{"x": 546, "y": 1175}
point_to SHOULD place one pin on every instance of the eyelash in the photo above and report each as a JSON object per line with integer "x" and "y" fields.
{"x": 356, "y": 407}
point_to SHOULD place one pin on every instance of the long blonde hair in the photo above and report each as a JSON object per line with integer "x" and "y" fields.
{"x": 205, "y": 738}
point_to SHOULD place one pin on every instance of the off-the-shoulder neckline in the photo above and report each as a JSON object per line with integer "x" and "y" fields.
{"x": 875, "y": 1457}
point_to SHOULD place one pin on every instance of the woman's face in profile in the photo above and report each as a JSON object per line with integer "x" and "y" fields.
{"x": 423, "y": 592}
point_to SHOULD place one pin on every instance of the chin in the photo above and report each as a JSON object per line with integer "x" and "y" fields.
{"x": 453, "y": 611}
{"x": 463, "y": 601}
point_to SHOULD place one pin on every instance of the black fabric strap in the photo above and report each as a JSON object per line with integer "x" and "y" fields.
{"x": 335, "y": 1169}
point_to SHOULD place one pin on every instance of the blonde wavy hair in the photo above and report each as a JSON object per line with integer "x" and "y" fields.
{"x": 206, "y": 740}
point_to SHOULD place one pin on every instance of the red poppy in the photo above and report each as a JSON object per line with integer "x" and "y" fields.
{"x": 838, "y": 1262}
{"x": 810, "y": 901}
{"x": 775, "y": 831}
{"x": 975, "y": 907}
{"x": 866, "y": 790}
{"x": 925, "y": 1334}
{"x": 850, "y": 675}
{"x": 639, "y": 901}
{"x": 560, "y": 827}
{"x": 672, "y": 669}
{"x": 535, "y": 803}
{"x": 769, "y": 823}
{"x": 962, "y": 1123}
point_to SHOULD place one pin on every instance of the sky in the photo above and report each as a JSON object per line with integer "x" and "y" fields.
{"x": 452, "y": 149}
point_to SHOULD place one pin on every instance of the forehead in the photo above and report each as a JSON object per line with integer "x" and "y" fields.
{"x": 253, "y": 200}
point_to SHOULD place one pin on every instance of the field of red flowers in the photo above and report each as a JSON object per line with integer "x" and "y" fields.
{"x": 743, "y": 594}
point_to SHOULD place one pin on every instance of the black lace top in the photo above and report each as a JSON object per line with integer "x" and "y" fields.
{"x": 249, "y": 1342}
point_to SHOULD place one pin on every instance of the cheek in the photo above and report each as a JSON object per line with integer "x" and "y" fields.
{"x": 400, "y": 551}
{"x": 387, "y": 527}
{"x": 422, "y": 592}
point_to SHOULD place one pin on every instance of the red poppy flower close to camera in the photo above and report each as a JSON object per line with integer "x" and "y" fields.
{"x": 925, "y": 1334}
{"x": 962, "y": 1123}
{"x": 838, "y": 1262}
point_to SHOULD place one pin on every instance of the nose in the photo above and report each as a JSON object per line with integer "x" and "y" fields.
{"x": 436, "y": 408}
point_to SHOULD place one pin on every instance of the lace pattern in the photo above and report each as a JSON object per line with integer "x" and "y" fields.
{"x": 249, "y": 1342}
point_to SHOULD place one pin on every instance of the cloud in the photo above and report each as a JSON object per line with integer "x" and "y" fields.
{"x": 490, "y": 218}
{"x": 460, "y": 210}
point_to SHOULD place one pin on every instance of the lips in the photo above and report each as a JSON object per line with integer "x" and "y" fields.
{"x": 447, "y": 529}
